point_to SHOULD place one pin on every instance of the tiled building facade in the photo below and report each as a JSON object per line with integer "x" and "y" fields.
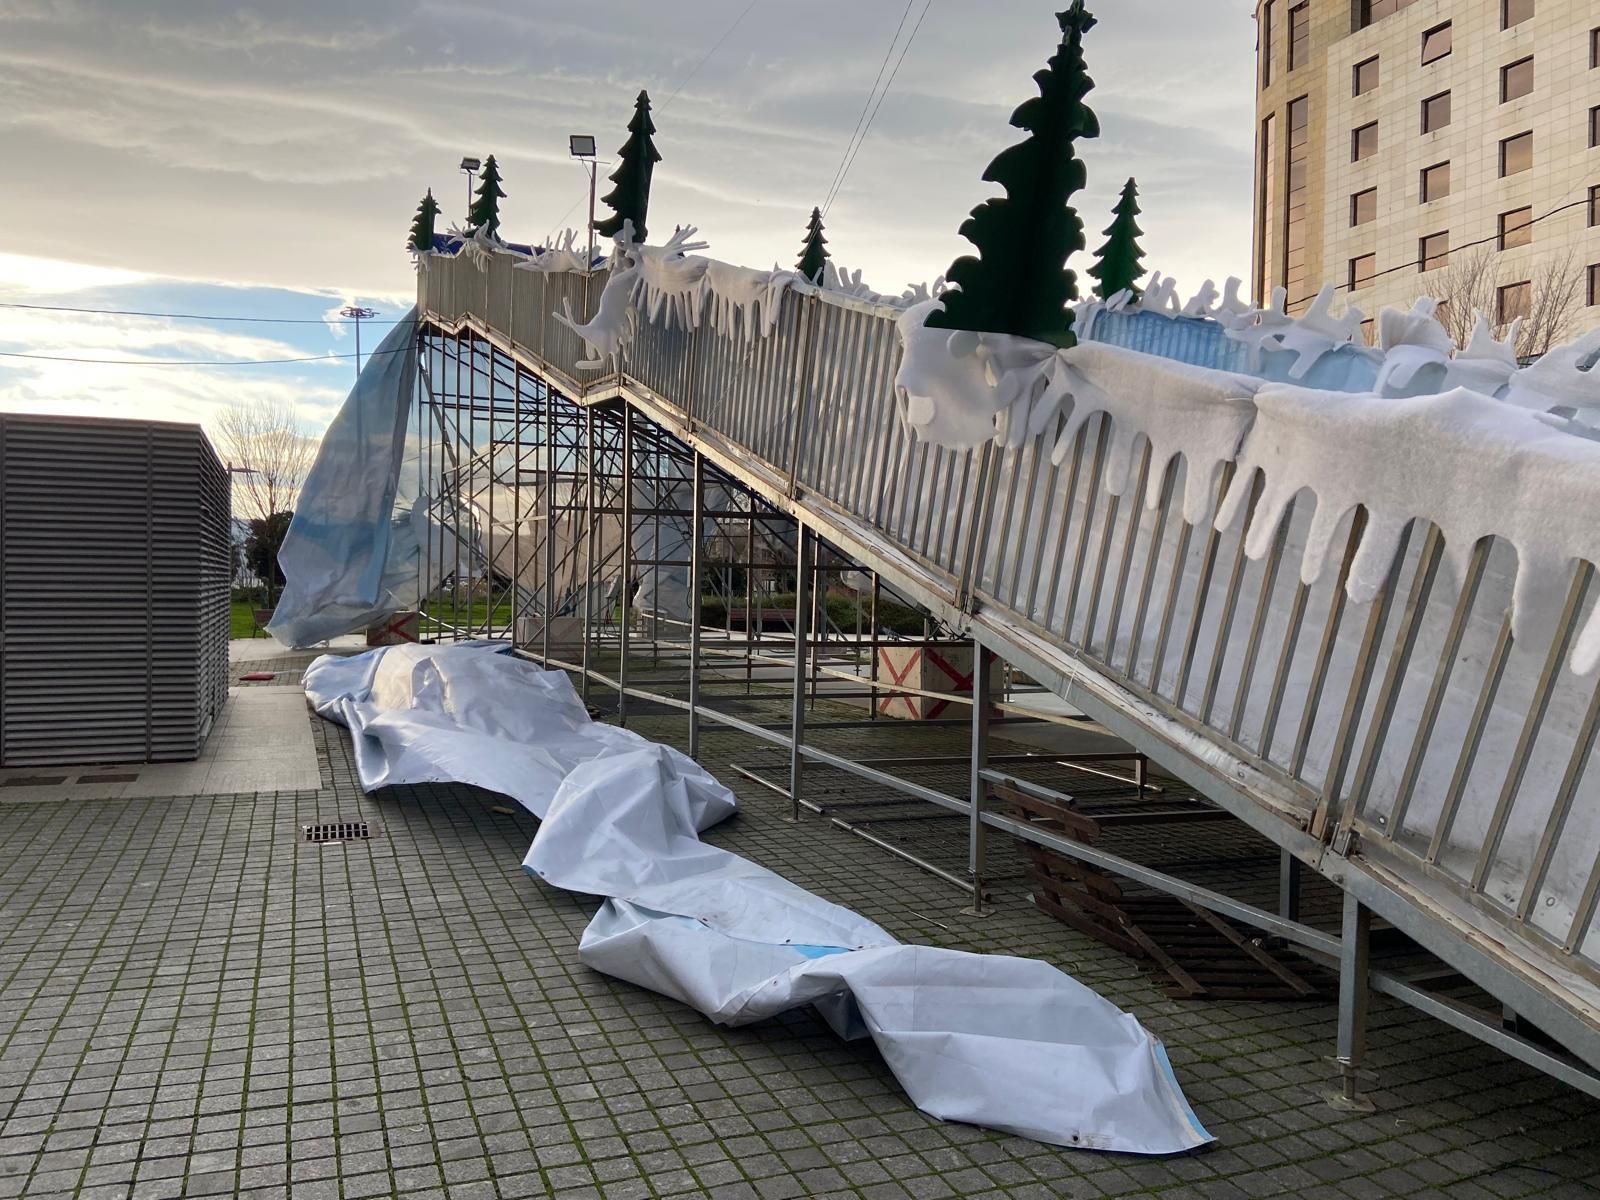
{"x": 1396, "y": 136}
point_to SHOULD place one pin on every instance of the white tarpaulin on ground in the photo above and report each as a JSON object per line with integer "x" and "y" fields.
{"x": 1010, "y": 1043}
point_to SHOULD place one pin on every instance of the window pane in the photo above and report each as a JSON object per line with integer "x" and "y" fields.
{"x": 1441, "y": 313}
{"x": 1516, "y": 79}
{"x": 1364, "y": 207}
{"x": 1299, "y": 35}
{"x": 1514, "y": 12}
{"x": 1368, "y": 330}
{"x": 1594, "y": 205}
{"x": 1267, "y": 14}
{"x": 1516, "y": 228}
{"x": 1366, "y": 76}
{"x": 1594, "y": 48}
{"x": 1594, "y": 126}
{"x": 1436, "y": 112}
{"x": 1434, "y": 251}
{"x": 1364, "y": 142}
{"x": 1435, "y": 182}
{"x": 1511, "y": 301}
{"x": 1516, "y": 153}
{"x": 1436, "y": 43}
{"x": 1362, "y": 270}
{"x": 1376, "y": 10}
{"x": 1594, "y": 284}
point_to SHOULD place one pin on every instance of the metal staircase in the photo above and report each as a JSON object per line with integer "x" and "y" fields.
{"x": 1410, "y": 750}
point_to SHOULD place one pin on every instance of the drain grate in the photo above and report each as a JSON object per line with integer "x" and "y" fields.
{"x": 120, "y": 777}
{"x": 333, "y": 832}
{"x": 33, "y": 780}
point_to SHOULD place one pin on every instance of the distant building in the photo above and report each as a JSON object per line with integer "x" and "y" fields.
{"x": 1391, "y": 135}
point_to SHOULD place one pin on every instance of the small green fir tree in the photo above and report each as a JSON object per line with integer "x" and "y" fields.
{"x": 1118, "y": 264}
{"x": 812, "y": 254}
{"x": 630, "y": 199}
{"x": 1019, "y": 282}
{"x": 485, "y": 211}
{"x": 422, "y": 226}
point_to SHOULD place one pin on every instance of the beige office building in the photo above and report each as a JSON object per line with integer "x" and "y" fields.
{"x": 1394, "y": 137}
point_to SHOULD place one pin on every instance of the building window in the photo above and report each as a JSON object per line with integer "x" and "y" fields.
{"x": 1516, "y": 228}
{"x": 1362, "y": 269}
{"x": 1364, "y": 141}
{"x": 1441, "y": 313}
{"x": 1436, "y": 43}
{"x": 1436, "y": 112}
{"x": 1516, "y": 153}
{"x": 1516, "y": 79}
{"x": 1267, "y": 15}
{"x": 1296, "y": 200}
{"x": 1594, "y": 48}
{"x": 1377, "y": 10}
{"x": 1514, "y": 12}
{"x": 1267, "y": 198}
{"x": 1366, "y": 77}
{"x": 1594, "y": 127}
{"x": 1594, "y": 284}
{"x": 1368, "y": 331}
{"x": 1299, "y": 35}
{"x": 1433, "y": 251}
{"x": 1511, "y": 301}
{"x": 1435, "y": 182}
{"x": 1594, "y": 206}
{"x": 1363, "y": 207}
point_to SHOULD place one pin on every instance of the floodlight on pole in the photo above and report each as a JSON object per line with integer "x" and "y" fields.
{"x": 581, "y": 146}
{"x": 358, "y": 315}
{"x": 470, "y": 167}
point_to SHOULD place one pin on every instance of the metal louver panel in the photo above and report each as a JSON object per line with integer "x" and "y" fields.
{"x": 115, "y": 568}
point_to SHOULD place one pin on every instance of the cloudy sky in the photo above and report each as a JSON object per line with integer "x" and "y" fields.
{"x": 264, "y": 160}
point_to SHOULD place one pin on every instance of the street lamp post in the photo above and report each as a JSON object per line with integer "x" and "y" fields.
{"x": 470, "y": 168}
{"x": 358, "y": 314}
{"x": 582, "y": 147}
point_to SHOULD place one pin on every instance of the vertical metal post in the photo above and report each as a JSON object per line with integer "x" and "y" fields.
{"x": 877, "y": 587}
{"x": 1288, "y": 886}
{"x": 623, "y": 639}
{"x": 977, "y": 831}
{"x": 802, "y": 636}
{"x": 696, "y": 567}
{"x": 549, "y": 517}
{"x": 1354, "y": 994}
{"x": 588, "y": 541}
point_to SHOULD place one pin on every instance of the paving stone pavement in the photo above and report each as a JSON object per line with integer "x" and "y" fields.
{"x": 192, "y": 1003}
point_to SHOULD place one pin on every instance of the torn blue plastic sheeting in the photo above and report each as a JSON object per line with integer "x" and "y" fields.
{"x": 353, "y": 549}
{"x": 1009, "y": 1043}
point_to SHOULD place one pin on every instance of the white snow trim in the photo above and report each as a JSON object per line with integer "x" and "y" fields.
{"x": 1473, "y": 466}
{"x": 959, "y": 389}
{"x": 741, "y": 292}
{"x": 566, "y": 254}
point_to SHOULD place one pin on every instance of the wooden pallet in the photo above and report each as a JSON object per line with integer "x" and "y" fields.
{"x": 1205, "y": 956}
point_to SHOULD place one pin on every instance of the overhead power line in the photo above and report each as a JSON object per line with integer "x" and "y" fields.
{"x": 704, "y": 58}
{"x": 861, "y": 141}
{"x": 175, "y": 362}
{"x": 867, "y": 103}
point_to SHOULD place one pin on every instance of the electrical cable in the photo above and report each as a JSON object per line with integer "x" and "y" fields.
{"x": 881, "y": 97}
{"x": 171, "y": 362}
{"x": 707, "y": 55}
{"x": 827, "y": 196}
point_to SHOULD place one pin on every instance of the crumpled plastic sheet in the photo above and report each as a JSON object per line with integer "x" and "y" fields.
{"x": 1008, "y": 1043}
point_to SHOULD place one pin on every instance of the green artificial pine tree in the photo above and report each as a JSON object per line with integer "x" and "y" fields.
{"x": 1118, "y": 265}
{"x": 630, "y": 199}
{"x": 812, "y": 254}
{"x": 422, "y": 227}
{"x": 485, "y": 211}
{"x": 1019, "y": 282}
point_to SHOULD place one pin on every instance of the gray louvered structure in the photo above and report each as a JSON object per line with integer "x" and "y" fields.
{"x": 115, "y": 567}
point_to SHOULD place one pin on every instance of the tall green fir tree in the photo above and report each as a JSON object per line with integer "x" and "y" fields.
{"x": 422, "y": 226}
{"x": 485, "y": 211}
{"x": 1119, "y": 264}
{"x": 630, "y": 199}
{"x": 812, "y": 254}
{"x": 1018, "y": 283}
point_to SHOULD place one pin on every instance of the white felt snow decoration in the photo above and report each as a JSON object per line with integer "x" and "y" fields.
{"x": 1232, "y": 306}
{"x": 1202, "y": 303}
{"x": 754, "y": 296}
{"x": 1160, "y": 296}
{"x": 1554, "y": 381}
{"x": 1410, "y": 342}
{"x": 669, "y": 280}
{"x": 614, "y": 323}
{"x": 1318, "y": 332}
{"x": 479, "y": 246}
{"x": 1426, "y": 457}
{"x": 566, "y": 254}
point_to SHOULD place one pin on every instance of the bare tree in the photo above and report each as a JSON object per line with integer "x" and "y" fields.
{"x": 1468, "y": 285}
{"x": 269, "y": 453}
